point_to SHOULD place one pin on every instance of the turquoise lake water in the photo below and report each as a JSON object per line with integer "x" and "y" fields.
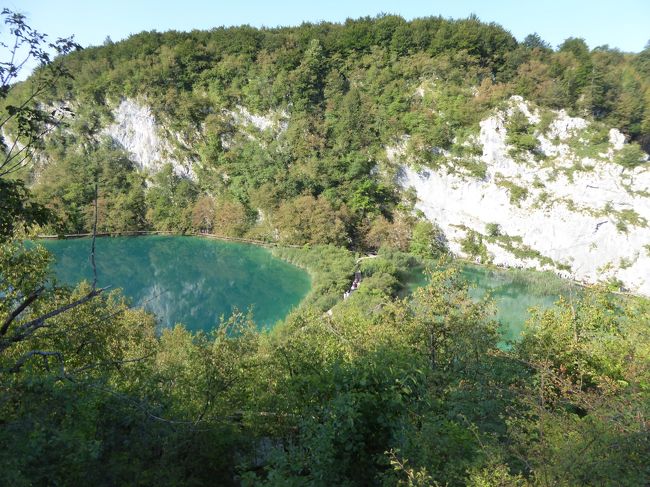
{"x": 514, "y": 293}
{"x": 195, "y": 281}
{"x": 186, "y": 280}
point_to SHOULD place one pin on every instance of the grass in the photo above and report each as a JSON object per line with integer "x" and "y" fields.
{"x": 539, "y": 283}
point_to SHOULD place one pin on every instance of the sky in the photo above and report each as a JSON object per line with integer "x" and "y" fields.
{"x": 622, "y": 24}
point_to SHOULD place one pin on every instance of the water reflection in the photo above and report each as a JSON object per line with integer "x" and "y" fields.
{"x": 187, "y": 279}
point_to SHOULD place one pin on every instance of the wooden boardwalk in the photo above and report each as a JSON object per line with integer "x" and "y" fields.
{"x": 162, "y": 232}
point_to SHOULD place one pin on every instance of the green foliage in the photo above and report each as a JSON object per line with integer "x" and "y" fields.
{"x": 331, "y": 270}
{"x": 546, "y": 118}
{"x": 395, "y": 234}
{"x": 23, "y": 120}
{"x": 428, "y": 240}
{"x": 629, "y": 217}
{"x": 578, "y": 352}
{"x": 410, "y": 392}
{"x": 517, "y": 193}
{"x": 630, "y": 156}
{"x": 493, "y": 229}
{"x": 387, "y": 275}
{"x": 591, "y": 142}
{"x": 337, "y": 95}
{"x": 516, "y": 247}
{"x": 312, "y": 220}
{"x": 473, "y": 246}
{"x": 521, "y": 133}
{"x": 16, "y": 209}
{"x": 388, "y": 391}
{"x": 170, "y": 201}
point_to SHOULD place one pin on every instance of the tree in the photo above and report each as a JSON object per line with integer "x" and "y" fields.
{"x": 312, "y": 220}
{"x": 309, "y": 79}
{"x": 23, "y": 117}
{"x": 17, "y": 210}
{"x": 534, "y": 41}
{"x": 230, "y": 217}
{"x": 428, "y": 240}
{"x": 203, "y": 214}
{"x": 30, "y": 121}
{"x": 24, "y": 309}
{"x": 170, "y": 200}
{"x": 456, "y": 331}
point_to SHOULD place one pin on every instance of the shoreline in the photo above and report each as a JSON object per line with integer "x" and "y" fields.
{"x": 581, "y": 284}
{"x": 144, "y": 233}
{"x": 261, "y": 243}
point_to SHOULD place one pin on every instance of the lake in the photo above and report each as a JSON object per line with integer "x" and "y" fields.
{"x": 189, "y": 280}
{"x": 195, "y": 281}
{"x": 514, "y": 292}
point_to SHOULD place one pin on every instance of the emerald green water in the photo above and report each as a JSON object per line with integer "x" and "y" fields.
{"x": 514, "y": 292}
{"x": 186, "y": 280}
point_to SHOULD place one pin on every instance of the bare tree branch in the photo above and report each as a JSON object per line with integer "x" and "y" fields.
{"x": 14, "y": 314}
{"x": 29, "y": 328}
{"x": 92, "y": 247}
{"x": 19, "y": 364}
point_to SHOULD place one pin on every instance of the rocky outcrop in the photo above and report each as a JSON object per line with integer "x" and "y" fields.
{"x": 136, "y": 130}
{"x": 151, "y": 145}
{"x": 276, "y": 121}
{"x": 567, "y": 205}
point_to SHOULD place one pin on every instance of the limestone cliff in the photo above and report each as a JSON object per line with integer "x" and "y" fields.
{"x": 569, "y": 198}
{"x": 575, "y": 200}
{"x": 136, "y": 130}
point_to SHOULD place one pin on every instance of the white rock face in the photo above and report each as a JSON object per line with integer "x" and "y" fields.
{"x": 135, "y": 129}
{"x": 276, "y": 121}
{"x": 589, "y": 216}
{"x": 150, "y": 146}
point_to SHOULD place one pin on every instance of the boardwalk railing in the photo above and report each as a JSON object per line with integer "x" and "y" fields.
{"x": 163, "y": 232}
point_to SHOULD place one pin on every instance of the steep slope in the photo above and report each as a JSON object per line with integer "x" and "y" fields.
{"x": 281, "y": 135}
{"x": 136, "y": 130}
{"x": 575, "y": 199}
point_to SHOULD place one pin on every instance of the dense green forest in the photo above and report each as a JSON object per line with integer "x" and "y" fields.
{"x": 344, "y": 93}
{"x": 391, "y": 388}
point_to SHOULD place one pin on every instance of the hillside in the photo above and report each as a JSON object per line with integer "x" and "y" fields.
{"x": 576, "y": 202}
{"x": 235, "y": 131}
{"x": 412, "y": 139}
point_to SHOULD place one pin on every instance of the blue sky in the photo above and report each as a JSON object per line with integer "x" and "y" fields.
{"x": 624, "y": 24}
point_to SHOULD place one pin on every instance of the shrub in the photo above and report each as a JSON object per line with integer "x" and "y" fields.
{"x": 521, "y": 134}
{"x": 428, "y": 240}
{"x": 473, "y": 246}
{"x": 630, "y": 155}
{"x": 493, "y": 229}
{"x": 517, "y": 193}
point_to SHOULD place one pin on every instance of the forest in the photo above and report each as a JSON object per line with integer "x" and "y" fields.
{"x": 393, "y": 388}
{"x": 342, "y": 94}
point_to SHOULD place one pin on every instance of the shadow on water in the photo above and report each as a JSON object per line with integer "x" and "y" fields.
{"x": 187, "y": 280}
